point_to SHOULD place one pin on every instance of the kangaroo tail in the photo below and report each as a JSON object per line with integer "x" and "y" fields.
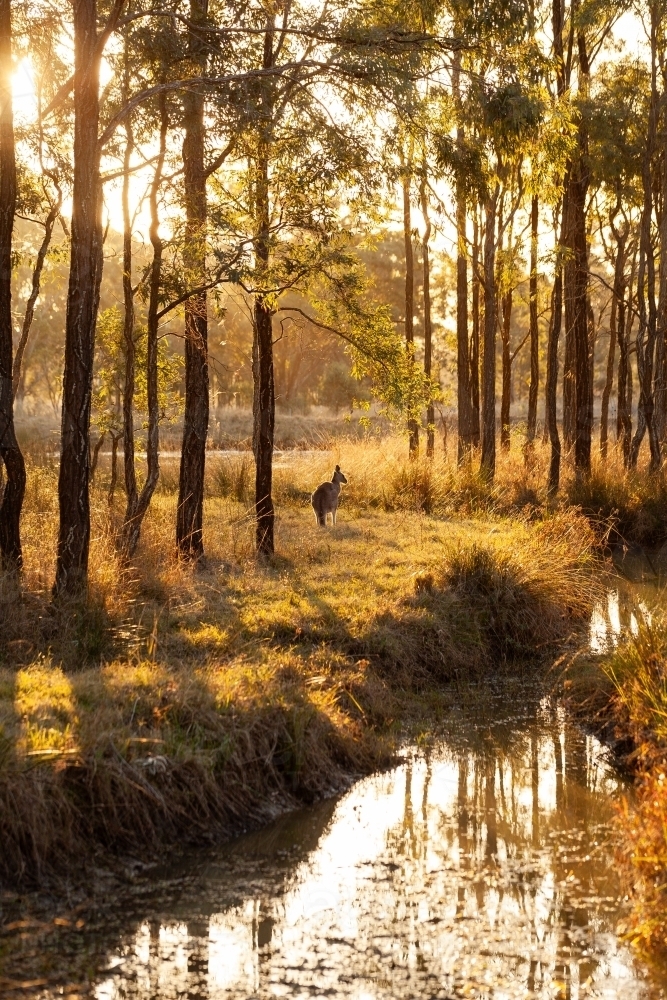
{"x": 321, "y": 519}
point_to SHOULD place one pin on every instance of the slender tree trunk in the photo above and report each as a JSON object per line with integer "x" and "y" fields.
{"x": 624, "y": 406}
{"x": 534, "y": 332}
{"x": 488, "y": 459}
{"x": 474, "y": 340}
{"x": 11, "y": 556}
{"x": 137, "y": 507}
{"x": 29, "y": 314}
{"x": 413, "y": 426}
{"x": 660, "y": 384}
{"x": 264, "y": 397}
{"x": 463, "y": 393}
{"x": 428, "y": 331}
{"x": 96, "y": 455}
{"x": 619, "y": 270}
{"x": 569, "y": 409}
{"x": 506, "y": 370}
{"x": 82, "y": 306}
{"x": 128, "y": 320}
{"x": 189, "y": 517}
{"x": 551, "y": 386}
{"x": 582, "y": 347}
{"x": 115, "y": 438}
{"x": 646, "y": 286}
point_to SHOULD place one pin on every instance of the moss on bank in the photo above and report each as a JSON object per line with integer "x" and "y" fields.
{"x": 186, "y": 702}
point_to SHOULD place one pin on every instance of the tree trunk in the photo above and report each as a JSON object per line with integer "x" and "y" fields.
{"x": 82, "y": 306}
{"x": 551, "y": 386}
{"x": 413, "y": 426}
{"x": 624, "y": 392}
{"x": 582, "y": 348}
{"x": 569, "y": 408}
{"x": 646, "y": 286}
{"x": 488, "y": 460}
{"x": 11, "y": 556}
{"x": 264, "y": 399}
{"x": 506, "y": 371}
{"x": 428, "y": 330}
{"x": 474, "y": 340}
{"x": 534, "y": 331}
{"x": 128, "y": 321}
{"x": 96, "y": 455}
{"x": 115, "y": 438}
{"x": 29, "y": 314}
{"x": 660, "y": 384}
{"x": 463, "y": 394}
{"x": 189, "y": 517}
{"x": 137, "y": 505}
{"x": 615, "y": 316}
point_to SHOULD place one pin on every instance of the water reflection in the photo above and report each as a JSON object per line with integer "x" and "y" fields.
{"x": 616, "y": 616}
{"x": 480, "y": 869}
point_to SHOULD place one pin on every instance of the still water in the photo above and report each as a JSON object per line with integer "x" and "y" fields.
{"x": 480, "y": 866}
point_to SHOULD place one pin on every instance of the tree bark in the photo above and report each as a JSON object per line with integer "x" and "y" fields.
{"x": 413, "y": 426}
{"x": 534, "y": 331}
{"x": 264, "y": 397}
{"x": 138, "y": 504}
{"x": 428, "y": 328}
{"x": 11, "y": 556}
{"x": 474, "y": 340}
{"x": 82, "y": 306}
{"x": 189, "y": 517}
{"x": 506, "y": 370}
{"x": 488, "y": 459}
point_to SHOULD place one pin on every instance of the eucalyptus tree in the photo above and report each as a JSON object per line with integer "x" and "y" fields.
{"x": 83, "y": 296}
{"x": 580, "y": 33}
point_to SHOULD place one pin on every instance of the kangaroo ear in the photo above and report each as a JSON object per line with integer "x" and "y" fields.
{"x": 338, "y": 468}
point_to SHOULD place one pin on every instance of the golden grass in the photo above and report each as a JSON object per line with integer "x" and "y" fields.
{"x": 637, "y": 675}
{"x": 189, "y": 699}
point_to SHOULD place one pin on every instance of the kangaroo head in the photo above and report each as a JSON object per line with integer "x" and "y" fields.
{"x": 338, "y": 476}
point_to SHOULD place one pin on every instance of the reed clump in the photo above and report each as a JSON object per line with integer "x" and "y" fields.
{"x": 637, "y": 671}
{"x": 624, "y": 505}
{"x": 527, "y": 600}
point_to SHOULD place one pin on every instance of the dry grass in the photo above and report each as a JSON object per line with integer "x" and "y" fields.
{"x": 637, "y": 671}
{"x": 189, "y": 700}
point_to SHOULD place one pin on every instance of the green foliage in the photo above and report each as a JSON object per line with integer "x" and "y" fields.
{"x": 110, "y": 373}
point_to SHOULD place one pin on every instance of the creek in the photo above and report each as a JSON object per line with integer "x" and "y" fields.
{"x": 480, "y": 866}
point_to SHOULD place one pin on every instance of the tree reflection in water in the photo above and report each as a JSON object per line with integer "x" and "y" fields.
{"x": 480, "y": 868}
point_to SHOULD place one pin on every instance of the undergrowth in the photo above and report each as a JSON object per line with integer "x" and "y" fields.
{"x": 637, "y": 670}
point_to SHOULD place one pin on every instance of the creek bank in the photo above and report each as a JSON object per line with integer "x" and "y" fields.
{"x": 260, "y": 688}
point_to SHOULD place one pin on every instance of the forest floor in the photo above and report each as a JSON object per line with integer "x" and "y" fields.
{"x": 184, "y": 701}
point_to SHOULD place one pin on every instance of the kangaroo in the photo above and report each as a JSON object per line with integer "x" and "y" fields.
{"x": 325, "y": 498}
